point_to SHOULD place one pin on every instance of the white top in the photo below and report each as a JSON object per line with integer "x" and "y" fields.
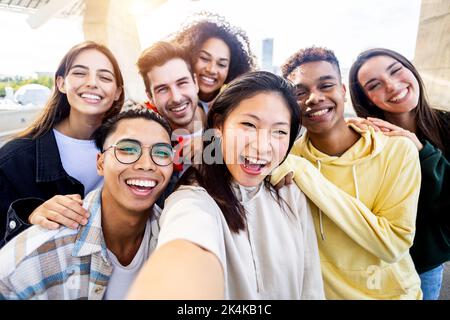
{"x": 123, "y": 276}
{"x": 276, "y": 257}
{"x": 78, "y": 158}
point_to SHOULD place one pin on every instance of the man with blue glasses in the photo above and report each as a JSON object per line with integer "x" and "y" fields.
{"x": 101, "y": 259}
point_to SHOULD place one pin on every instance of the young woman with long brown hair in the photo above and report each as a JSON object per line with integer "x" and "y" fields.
{"x": 388, "y": 90}
{"x": 50, "y": 166}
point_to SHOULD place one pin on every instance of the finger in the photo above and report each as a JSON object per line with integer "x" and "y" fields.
{"x": 396, "y": 133}
{"x": 71, "y": 213}
{"x": 386, "y": 124}
{"x": 45, "y": 223}
{"x": 280, "y": 184}
{"x": 365, "y": 126}
{"x": 58, "y": 217}
{"x": 75, "y": 197}
{"x": 74, "y": 207}
{"x": 289, "y": 178}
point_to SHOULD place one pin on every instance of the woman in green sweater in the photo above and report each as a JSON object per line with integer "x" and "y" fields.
{"x": 388, "y": 91}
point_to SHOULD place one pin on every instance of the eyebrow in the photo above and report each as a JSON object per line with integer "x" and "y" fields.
{"x": 210, "y": 55}
{"x": 387, "y": 69}
{"x": 327, "y": 77}
{"x": 86, "y": 68}
{"x": 322, "y": 78}
{"x": 162, "y": 85}
{"x": 258, "y": 119}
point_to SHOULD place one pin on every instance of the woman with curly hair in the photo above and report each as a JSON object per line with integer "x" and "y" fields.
{"x": 219, "y": 51}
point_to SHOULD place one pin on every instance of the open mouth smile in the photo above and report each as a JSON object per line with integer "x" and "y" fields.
{"x": 141, "y": 187}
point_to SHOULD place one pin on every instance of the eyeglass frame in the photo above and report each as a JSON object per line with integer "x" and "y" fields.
{"x": 142, "y": 146}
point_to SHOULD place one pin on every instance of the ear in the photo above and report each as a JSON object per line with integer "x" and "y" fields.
{"x": 344, "y": 89}
{"x": 118, "y": 93}
{"x": 60, "y": 84}
{"x": 100, "y": 163}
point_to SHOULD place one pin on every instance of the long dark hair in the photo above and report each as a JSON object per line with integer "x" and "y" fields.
{"x": 431, "y": 126}
{"x": 206, "y": 175}
{"x": 57, "y": 107}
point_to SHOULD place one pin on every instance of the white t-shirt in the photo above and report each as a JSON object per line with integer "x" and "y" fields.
{"x": 276, "y": 257}
{"x": 123, "y": 276}
{"x": 78, "y": 158}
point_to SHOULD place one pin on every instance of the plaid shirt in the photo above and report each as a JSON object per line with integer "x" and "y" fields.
{"x": 63, "y": 263}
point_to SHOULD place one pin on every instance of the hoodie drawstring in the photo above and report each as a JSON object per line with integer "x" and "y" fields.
{"x": 355, "y": 182}
{"x": 322, "y": 234}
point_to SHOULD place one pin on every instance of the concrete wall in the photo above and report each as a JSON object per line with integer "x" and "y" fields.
{"x": 432, "y": 56}
{"x": 110, "y": 22}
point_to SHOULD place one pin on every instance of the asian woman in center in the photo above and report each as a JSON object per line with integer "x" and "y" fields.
{"x": 226, "y": 233}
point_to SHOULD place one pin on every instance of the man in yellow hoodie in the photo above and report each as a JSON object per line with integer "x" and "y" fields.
{"x": 365, "y": 186}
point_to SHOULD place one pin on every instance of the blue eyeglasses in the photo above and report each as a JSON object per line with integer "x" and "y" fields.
{"x": 129, "y": 151}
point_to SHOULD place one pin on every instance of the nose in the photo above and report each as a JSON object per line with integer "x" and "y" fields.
{"x": 176, "y": 95}
{"x": 92, "y": 79}
{"x": 263, "y": 142}
{"x": 391, "y": 85}
{"x": 211, "y": 68}
{"x": 145, "y": 162}
{"x": 315, "y": 96}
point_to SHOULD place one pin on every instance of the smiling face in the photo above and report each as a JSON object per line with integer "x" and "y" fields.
{"x": 134, "y": 187}
{"x": 90, "y": 84}
{"x": 174, "y": 92}
{"x": 212, "y": 67}
{"x": 320, "y": 95}
{"x": 389, "y": 84}
{"x": 255, "y": 137}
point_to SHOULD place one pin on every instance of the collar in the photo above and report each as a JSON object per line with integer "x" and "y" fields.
{"x": 90, "y": 238}
{"x": 48, "y": 160}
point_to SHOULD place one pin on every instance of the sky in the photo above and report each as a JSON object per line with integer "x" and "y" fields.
{"x": 345, "y": 26}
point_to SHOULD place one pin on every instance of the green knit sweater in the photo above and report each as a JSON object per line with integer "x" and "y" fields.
{"x": 432, "y": 241}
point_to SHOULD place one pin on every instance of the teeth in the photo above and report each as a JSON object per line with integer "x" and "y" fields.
{"x": 180, "y": 108}
{"x": 318, "y": 113}
{"x": 401, "y": 95}
{"x": 141, "y": 183}
{"x": 208, "y": 79}
{"x": 91, "y": 96}
{"x": 256, "y": 161}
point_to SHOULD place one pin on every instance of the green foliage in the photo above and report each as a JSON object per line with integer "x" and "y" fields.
{"x": 17, "y": 82}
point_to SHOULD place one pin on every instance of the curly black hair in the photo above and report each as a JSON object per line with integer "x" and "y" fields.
{"x": 205, "y": 25}
{"x": 311, "y": 54}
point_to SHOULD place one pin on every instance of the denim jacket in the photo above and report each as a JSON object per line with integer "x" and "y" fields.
{"x": 31, "y": 172}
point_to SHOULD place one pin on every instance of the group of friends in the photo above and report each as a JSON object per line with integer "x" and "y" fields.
{"x": 211, "y": 190}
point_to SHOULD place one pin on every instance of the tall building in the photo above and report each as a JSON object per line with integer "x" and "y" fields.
{"x": 267, "y": 54}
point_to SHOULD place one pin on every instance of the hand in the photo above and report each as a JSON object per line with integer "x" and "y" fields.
{"x": 66, "y": 210}
{"x": 390, "y": 129}
{"x": 287, "y": 180}
{"x": 364, "y": 124}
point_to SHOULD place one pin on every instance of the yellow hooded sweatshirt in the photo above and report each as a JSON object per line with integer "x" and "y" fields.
{"x": 365, "y": 216}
